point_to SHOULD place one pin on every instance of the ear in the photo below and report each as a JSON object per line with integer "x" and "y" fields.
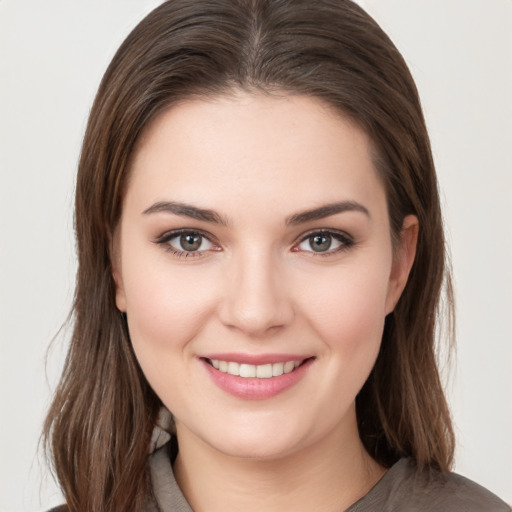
{"x": 403, "y": 258}
{"x": 115, "y": 258}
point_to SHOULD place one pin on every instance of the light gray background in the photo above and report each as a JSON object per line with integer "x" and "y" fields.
{"x": 52, "y": 56}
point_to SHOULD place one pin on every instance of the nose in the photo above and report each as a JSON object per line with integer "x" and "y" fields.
{"x": 255, "y": 299}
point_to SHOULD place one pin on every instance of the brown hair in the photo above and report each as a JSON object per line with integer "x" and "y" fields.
{"x": 99, "y": 426}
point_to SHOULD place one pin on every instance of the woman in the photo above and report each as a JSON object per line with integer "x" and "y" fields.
{"x": 261, "y": 253}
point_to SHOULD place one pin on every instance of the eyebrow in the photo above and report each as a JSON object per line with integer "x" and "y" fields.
{"x": 207, "y": 215}
{"x": 326, "y": 211}
{"x": 187, "y": 210}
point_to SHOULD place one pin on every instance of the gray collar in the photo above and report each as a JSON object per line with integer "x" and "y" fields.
{"x": 167, "y": 494}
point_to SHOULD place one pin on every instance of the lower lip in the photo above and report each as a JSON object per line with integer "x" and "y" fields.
{"x": 254, "y": 388}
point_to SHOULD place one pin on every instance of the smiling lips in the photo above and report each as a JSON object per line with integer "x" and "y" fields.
{"x": 256, "y": 379}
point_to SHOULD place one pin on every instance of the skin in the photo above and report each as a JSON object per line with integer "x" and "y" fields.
{"x": 256, "y": 286}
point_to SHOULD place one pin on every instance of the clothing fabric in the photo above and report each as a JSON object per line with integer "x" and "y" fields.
{"x": 401, "y": 489}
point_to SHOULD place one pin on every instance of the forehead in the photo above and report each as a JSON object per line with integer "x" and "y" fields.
{"x": 242, "y": 148}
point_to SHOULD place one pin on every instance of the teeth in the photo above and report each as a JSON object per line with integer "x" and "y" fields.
{"x": 262, "y": 371}
{"x": 289, "y": 366}
{"x": 233, "y": 368}
{"x": 277, "y": 369}
{"x": 246, "y": 370}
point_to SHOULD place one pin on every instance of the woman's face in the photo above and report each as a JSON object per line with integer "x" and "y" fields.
{"x": 255, "y": 240}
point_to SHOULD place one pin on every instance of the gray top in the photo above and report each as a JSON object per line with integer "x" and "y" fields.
{"x": 401, "y": 489}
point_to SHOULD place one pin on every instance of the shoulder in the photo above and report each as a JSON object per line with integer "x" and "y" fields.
{"x": 405, "y": 489}
{"x": 472, "y": 495}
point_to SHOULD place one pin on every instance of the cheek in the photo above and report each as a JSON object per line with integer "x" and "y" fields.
{"x": 350, "y": 321}
{"x": 165, "y": 307}
{"x": 348, "y": 313}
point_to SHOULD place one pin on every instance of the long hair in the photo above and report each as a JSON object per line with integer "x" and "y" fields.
{"x": 99, "y": 426}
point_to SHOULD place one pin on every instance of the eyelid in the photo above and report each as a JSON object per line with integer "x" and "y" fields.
{"x": 172, "y": 233}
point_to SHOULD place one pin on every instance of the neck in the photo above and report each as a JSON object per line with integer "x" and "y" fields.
{"x": 329, "y": 475}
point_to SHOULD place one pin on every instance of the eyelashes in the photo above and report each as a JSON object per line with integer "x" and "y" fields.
{"x": 194, "y": 243}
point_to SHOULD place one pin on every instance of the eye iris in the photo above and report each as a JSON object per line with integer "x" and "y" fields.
{"x": 190, "y": 241}
{"x": 320, "y": 243}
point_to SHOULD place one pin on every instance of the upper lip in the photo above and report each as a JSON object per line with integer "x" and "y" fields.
{"x": 255, "y": 359}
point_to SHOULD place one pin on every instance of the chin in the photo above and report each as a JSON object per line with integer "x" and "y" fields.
{"x": 257, "y": 450}
{"x": 256, "y": 441}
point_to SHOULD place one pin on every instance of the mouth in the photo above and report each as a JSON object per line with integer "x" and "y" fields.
{"x": 259, "y": 371}
{"x": 256, "y": 376}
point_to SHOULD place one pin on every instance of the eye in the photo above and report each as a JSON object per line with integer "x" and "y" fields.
{"x": 190, "y": 242}
{"x": 187, "y": 243}
{"x": 327, "y": 242}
